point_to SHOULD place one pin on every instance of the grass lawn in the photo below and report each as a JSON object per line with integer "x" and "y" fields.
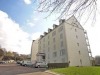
{"x": 78, "y": 71}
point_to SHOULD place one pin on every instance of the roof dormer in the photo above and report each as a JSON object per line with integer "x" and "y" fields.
{"x": 45, "y": 33}
{"x": 61, "y": 21}
{"x": 54, "y": 26}
{"x": 49, "y": 30}
{"x": 41, "y": 36}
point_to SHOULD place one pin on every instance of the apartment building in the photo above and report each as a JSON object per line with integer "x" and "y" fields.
{"x": 34, "y": 51}
{"x": 65, "y": 43}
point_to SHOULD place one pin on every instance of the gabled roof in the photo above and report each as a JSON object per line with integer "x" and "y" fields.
{"x": 73, "y": 21}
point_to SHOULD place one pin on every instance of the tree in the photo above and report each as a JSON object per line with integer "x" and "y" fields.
{"x": 69, "y": 7}
{"x": 9, "y": 53}
{"x": 1, "y": 52}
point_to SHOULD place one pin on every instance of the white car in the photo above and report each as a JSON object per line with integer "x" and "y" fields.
{"x": 41, "y": 64}
{"x": 27, "y": 63}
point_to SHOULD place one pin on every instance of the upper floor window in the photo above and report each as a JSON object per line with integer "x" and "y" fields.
{"x": 76, "y": 36}
{"x": 48, "y": 49}
{"x": 44, "y": 40}
{"x": 48, "y": 36}
{"x": 60, "y": 29}
{"x": 40, "y": 42}
{"x": 61, "y": 36}
{"x": 48, "y": 43}
{"x": 81, "y": 61}
{"x": 43, "y": 45}
{"x": 54, "y": 47}
{"x": 48, "y": 56}
{"x": 61, "y": 44}
{"x": 77, "y": 44}
{"x": 54, "y": 33}
{"x": 75, "y": 30}
{"x": 79, "y": 52}
{"x": 53, "y": 39}
{"x": 40, "y": 47}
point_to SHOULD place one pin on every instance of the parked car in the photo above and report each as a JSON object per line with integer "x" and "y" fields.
{"x": 41, "y": 65}
{"x": 2, "y": 62}
{"x": 19, "y": 62}
{"x": 27, "y": 63}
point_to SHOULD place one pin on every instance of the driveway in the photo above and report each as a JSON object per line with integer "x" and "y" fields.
{"x": 14, "y": 69}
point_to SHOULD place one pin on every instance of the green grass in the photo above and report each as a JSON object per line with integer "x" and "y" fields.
{"x": 78, "y": 71}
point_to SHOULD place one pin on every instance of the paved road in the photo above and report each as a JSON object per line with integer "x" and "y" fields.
{"x": 14, "y": 69}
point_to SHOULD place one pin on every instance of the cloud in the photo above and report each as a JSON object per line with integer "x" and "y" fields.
{"x": 36, "y": 35}
{"x": 29, "y": 23}
{"x": 27, "y": 1}
{"x": 32, "y": 22}
{"x": 12, "y": 37}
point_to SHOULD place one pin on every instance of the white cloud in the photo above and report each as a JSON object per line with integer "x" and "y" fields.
{"x": 35, "y": 19}
{"x": 31, "y": 24}
{"x": 27, "y": 1}
{"x": 36, "y": 35}
{"x": 12, "y": 37}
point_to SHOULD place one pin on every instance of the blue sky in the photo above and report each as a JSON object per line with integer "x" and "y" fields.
{"x": 18, "y": 10}
{"x": 20, "y": 24}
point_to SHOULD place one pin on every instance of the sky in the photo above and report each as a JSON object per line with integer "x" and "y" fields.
{"x": 20, "y": 23}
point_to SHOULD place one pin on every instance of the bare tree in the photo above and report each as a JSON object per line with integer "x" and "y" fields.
{"x": 68, "y": 7}
{"x": 1, "y": 53}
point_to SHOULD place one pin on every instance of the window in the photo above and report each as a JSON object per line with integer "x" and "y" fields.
{"x": 53, "y": 39}
{"x": 61, "y": 36}
{"x": 75, "y": 30}
{"x": 40, "y": 47}
{"x": 40, "y": 42}
{"x": 48, "y": 36}
{"x": 43, "y": 45}
{"x": 62, "y": 52}
{"x": 61, "y": 45}
{"x": 48, "y": 56}
{"x": 54, "y": 33}
{"x": 48, "y": 49}
{"x": 77, "y": 44}
{"x": 48, "y": 42}
{"x": 60, "y": 29}
{"x": 79, "y": 52}
{"x": 54, "y": 54}
{"x": 54, "y": 61}
{"x": 81, "y": 61}
{"x": 44, "y": 40}
{"x": 54, "y": 47}
{"x": 76, "y": 36}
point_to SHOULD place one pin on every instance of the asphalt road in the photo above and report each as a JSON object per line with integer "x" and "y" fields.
{"x": 14, "y": 69}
